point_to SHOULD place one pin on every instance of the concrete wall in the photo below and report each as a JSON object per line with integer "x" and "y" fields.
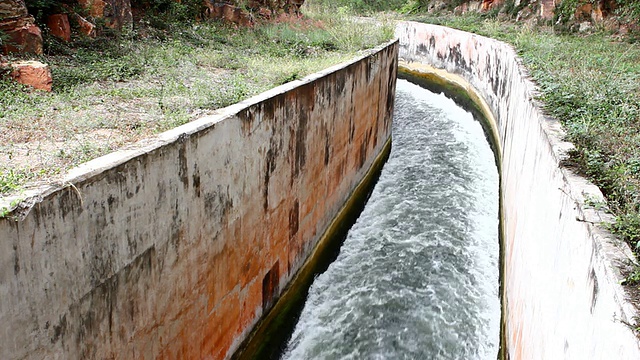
{"x": 175, "y": 249}
{"x": 561, "y": 292}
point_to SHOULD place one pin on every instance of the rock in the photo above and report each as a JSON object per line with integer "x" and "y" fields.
{"x": 24, "y": 36}
{"x": 95, "y": 8}
{"x": 524, "y": 14}
{"x": 214, "y": 10}
{"x": 86, "y": 27}
{"x": 59, "y": 27}
{"x": 468, "y": 7}
{"x": 13, "y": 9}
{"x": 294, "y": 6}
{"x": 488, "y": 5}
{"x": 547, "y": 9}
{"x": 436, "y": 6}
{"x": 585, "y": 26}
{"x": 596, "y": 14}
{"x": 229, "y": 13}
{"x": 583, "y": 12}
{"x": 116, "y": 13}
{"x": 241, "y": 12}
{"x": 32, "y": 73}
{"x": 120, "y": 15}
{"x": 623, "y": 30}
{"x": 265, "y": 13}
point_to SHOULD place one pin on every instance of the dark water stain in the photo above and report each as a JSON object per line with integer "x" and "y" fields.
{"x": 294, "y": 215}
{"x": 196, "y": 180}
{"x": 183, "y": 166}
{"x": 59, "y": 330}
{"x": 327, "y": 147}
{"x": 101, "y": 315}
{"x": 270, "y": 286}
{"x": 16, "y": 257}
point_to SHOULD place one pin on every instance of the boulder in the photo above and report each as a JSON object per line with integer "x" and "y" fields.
{"x": 229, "y": 13}
{"x": 120, "y": 15}
{"x": 583, "y": 12}
{"x": 116, "y": 13}
{"x": 23, "y": 35}
{"x": 470, "y": 6}
{"x": 242, "y": 12}
{"x": 488, "y": 5}
{"x": 59, "y": 27}
{"x": 13, "y": 9}
{"x": 213, "y": 10}
{"x": 86, "y": 27}
{"x": 32, "y": 73}
{"x": 237, "y": 16}
{"x": 265, "y": 13}
{"x": 547, "y": 9}
{"x": 95, "y": 8}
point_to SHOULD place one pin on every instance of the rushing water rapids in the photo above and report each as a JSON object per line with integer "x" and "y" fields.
{"x": 417, "y": 276}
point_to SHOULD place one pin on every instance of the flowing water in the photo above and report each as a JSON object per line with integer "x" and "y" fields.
{"x": 417, "y": 276}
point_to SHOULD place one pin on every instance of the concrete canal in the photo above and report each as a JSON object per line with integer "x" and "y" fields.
{"x": 417, "y": 276}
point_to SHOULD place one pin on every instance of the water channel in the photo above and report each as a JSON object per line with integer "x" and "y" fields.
{"x": 417, "y": 276}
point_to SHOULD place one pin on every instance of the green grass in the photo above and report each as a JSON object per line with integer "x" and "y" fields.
{"x": 11, "y": 179}
{"x": 592, "y": 85}
{"x": 120, "y": 88}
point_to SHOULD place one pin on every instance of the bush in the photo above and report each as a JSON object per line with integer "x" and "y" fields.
{"x": 40, "y": 9}
{"x": 161, "y": 13}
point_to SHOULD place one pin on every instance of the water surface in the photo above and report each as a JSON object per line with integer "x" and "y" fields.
{"x": 417, "y": 276}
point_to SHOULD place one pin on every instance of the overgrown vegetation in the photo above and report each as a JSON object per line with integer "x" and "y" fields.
{"x": 120, "y": 88}
{"x": 39, "y": 9}
{"x": 362, "y": 6}
{"x": 565, "y": 11}
{"x": 625, "y": 10}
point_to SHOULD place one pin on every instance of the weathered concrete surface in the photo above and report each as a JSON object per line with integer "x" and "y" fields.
{"x": 174, "y": 250}
{"x": 561, "y": 292}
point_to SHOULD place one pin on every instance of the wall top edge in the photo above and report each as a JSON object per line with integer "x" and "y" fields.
{"x": 18, "y": 206}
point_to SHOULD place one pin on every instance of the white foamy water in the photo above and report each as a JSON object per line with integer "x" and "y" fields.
{"x": 417, "y": 276}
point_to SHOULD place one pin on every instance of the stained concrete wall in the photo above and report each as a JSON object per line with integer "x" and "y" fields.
{"x": 561, "y": 292}
{"x": 174, "y": 249}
